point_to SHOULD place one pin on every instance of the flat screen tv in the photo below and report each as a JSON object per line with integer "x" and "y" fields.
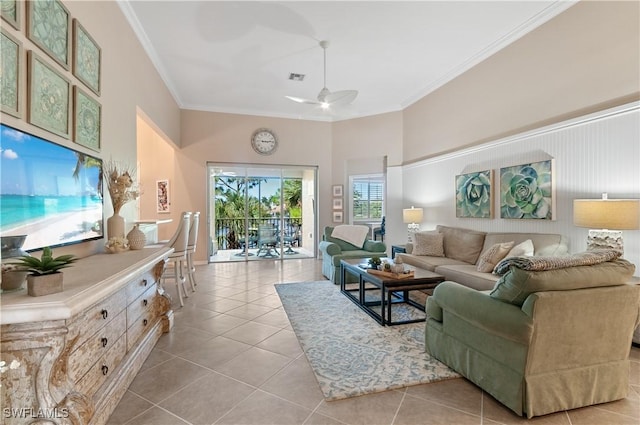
{"x": 48, "y": 192}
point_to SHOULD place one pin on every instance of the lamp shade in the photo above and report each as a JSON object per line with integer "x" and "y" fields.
{"x": 614, "y": 214}
{"x": 412, "y": 215}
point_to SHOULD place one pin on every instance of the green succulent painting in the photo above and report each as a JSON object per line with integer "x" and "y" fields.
{"x": 473, "y": 195}
{"x": 526, "y": 191}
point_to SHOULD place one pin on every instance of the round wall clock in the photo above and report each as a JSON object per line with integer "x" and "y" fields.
{"x": 264, "y": 141}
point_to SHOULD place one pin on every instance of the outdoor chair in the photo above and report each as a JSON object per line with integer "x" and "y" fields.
{"x": 267, "y": 241}
{"x": 290, "y": 238}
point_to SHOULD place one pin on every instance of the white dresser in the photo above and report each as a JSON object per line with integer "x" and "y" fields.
{"x": 80, "y": 349}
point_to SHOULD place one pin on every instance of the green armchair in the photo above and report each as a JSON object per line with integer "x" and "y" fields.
{"x": 333, "y": 250}
{"x": 544, "y": 351}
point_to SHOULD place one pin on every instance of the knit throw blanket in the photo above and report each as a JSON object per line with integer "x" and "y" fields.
{"x": 587, "y": 258}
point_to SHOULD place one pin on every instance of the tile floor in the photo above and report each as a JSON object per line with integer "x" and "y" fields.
{"x": 232, "y": 358}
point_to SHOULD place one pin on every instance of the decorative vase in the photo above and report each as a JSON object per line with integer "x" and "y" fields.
{"x": 136, "y": 237}
{"x": 115, "y": 226}
{"x": 45, "y": 284}
{"x": 12, "y": 278}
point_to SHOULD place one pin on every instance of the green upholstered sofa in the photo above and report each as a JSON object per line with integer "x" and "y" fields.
{"x": 539, "y": 352}
{"x": 333, "y": 250}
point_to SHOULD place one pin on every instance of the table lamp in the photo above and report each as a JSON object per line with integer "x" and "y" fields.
{"x": 606, "y": 218}
{"x": 412, "y": 216}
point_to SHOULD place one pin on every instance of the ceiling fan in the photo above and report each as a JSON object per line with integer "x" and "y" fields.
{"x": 327, "y": 98}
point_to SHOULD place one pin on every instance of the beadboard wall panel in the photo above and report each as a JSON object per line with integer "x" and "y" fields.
{"x": 593, "y": 154}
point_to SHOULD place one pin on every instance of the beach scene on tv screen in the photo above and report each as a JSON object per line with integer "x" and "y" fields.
{"x": 48, "y": 192}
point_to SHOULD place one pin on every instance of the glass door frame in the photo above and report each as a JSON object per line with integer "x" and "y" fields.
{"x": 308, "y": 210}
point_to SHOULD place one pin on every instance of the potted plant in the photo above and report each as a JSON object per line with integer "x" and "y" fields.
{"x": 374, "y": 262}
{"x": 44, "y": 276}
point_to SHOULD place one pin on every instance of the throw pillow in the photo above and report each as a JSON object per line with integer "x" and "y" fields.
{"x": 517, "y": 284}
{"x": 522, "y": 249}
{"x": 462, "y": 244}
{"x": 428, "y": 243}
{"x": 492, "y": 256}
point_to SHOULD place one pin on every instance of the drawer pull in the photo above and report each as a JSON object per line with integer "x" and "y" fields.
{"x": 105, "y": 314}
{"x": 105, "y": 341}
{"x": 105, "y": 369}
{"x": 144, "y": 282}
{"x": 144, "y": 322}
{"x": 144, "y": 303}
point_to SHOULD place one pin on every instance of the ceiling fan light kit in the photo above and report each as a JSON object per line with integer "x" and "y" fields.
{"x": 326, "y": 98}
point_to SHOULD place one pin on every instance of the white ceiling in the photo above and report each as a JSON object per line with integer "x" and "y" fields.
{"x": 236, "y": 56}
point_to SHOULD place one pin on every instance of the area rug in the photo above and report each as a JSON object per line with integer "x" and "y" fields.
{"x": 350, "y": 353}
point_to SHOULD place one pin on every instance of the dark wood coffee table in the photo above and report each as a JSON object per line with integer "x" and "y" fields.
{"x": 392, "y": 291}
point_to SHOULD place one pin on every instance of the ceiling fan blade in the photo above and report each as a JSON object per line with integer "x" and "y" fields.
{"x": 301, "y": 100}
{"x": 341, "y": 97}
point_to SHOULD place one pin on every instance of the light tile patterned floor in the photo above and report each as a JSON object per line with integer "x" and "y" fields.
{"x": 232, "y": 358}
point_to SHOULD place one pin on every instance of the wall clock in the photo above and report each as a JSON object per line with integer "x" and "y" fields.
{"x": 264, "y": 141}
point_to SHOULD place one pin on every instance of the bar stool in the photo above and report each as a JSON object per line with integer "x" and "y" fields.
{"x": 191, "y": 249}
{"x": 178, "y": 258}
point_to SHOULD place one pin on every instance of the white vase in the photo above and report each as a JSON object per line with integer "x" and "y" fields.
{"x": 136, "y": 237}
{"x": 115, "y": 226}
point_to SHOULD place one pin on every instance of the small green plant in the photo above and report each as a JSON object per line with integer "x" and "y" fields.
{"x": 46, "y": 264}
{"x": 375, "y": 262}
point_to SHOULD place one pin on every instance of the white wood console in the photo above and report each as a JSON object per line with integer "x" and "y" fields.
{"x": 80, "y": 349}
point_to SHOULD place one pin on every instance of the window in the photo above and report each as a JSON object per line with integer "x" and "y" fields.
{"x": 368, "y": 197}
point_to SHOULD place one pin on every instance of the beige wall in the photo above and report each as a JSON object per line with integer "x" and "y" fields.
{"x": 156, "y": 161}
{"x": 361, "y": 145}
{"x": 128, "y": 81}
{"x": 217, "y": 137}
{"x": 584, "y": 60}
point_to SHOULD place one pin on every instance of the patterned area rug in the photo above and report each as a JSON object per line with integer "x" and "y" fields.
{"x": 350, "y": 353}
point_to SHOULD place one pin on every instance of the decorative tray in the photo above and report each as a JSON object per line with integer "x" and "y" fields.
{"x": 391, "y": 275}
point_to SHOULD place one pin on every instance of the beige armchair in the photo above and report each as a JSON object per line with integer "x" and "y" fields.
{"x": 540, "y": 352}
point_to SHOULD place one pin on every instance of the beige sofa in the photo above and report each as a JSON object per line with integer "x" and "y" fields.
{"x": 463, "y": 247}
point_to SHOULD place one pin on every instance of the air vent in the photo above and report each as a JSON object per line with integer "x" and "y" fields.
{"x": 296, "y": 77}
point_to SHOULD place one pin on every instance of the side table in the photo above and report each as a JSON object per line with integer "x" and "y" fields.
{"x": 396, "y": 249}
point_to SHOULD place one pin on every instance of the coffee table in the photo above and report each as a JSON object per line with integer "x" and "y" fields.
{"x": 392, "y": 291}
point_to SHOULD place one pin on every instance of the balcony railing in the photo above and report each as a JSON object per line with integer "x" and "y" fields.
{"x": 232, "y": 234}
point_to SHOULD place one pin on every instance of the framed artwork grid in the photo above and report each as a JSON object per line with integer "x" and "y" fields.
{"x": 49, "y": 95}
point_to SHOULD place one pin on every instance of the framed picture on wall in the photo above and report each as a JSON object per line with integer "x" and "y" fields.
{"x": 86, "y": 120}
{"x": 474, "y": 195}
{"x": 337, "y": 203}
{"x": 337, "y": 216}
{"x": 10, "y": 71}
{"x": 337, "y": 190}
{"x": 527, "y": 191}
{"x": 48, "y": 24}
{"x": 162, "y": 188}
{"x": 10, "y": 12}
{"x": 49, "y": 97}
{"x": 86, "y": 58}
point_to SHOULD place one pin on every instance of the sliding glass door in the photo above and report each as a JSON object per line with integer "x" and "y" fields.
{"x": 261, "y": 212}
